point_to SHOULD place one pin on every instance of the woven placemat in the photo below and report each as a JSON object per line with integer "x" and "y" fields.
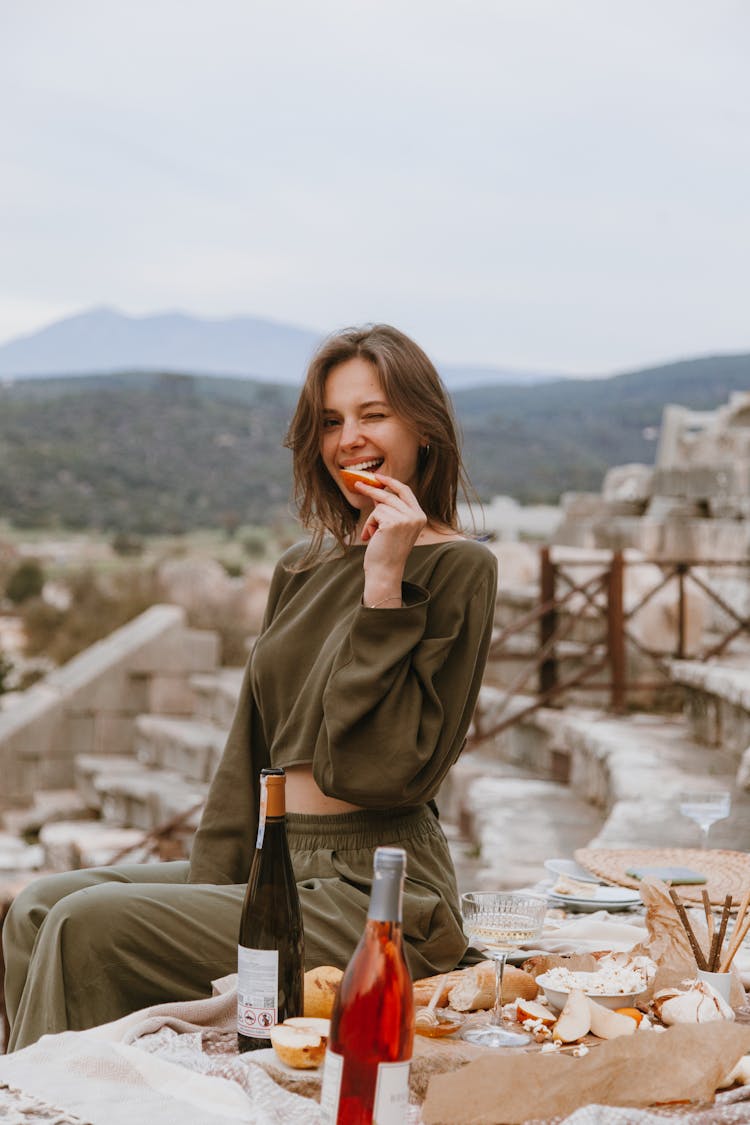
{"x": 728, "y": 873}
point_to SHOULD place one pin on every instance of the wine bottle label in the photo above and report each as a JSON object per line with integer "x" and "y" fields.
{"x": 391, "y": 1099}
{"x": 391, "y": 1093}
{"x": 331, "y": 1090}
{"x": 257, "y": 991}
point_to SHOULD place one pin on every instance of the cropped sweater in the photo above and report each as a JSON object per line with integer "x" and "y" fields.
{"x": 378, "y": 701}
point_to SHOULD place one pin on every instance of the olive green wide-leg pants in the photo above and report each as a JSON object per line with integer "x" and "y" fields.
{"x": 86, "y": 947}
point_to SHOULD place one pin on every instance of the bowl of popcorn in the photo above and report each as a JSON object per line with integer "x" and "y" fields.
{"x": 618, "y": 982}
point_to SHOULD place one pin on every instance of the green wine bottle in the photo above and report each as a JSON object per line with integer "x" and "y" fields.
{"x": 271, "y": 959}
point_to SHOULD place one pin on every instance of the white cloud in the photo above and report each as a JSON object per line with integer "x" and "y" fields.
{"x": 523, "y": 182}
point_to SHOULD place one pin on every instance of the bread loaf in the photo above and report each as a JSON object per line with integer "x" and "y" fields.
{"x": 320, "y": 991}
{"x": 473, "y": 988}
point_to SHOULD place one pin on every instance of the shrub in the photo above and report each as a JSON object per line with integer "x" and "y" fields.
{"x": 254, "y": 542}
{"x": 97, "y": 607}
{"x": 127, "y": 545}
{"x": 26, "y": 581}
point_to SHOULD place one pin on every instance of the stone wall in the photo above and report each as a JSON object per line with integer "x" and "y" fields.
{"x": 90, "y": 704}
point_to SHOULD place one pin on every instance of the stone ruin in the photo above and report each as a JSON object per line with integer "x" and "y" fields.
{"x": 692, "y": 505}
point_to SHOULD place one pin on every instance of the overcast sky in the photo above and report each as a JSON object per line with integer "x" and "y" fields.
{"x": 547, "y": 184}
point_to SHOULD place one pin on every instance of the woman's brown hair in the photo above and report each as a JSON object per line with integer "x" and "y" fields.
{"x": 414, "y": 389}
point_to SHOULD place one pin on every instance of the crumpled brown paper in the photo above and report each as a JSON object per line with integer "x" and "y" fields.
{"x": 667, "y": 943}
{"x": 684, "y": 1063}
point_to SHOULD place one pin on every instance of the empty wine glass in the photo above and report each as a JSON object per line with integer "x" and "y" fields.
{"x": 500, "y": 921}
{"x": 705, "y": 807}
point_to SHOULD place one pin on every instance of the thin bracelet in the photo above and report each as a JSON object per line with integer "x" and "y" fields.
{"x": 377, "y": 605}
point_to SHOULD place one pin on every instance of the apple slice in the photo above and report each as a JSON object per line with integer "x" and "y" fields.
{"x": 531, "y": 1010}
{"x": 301, "y": 1042}
{"x": 575, "y": 1018}
{"x": 608, "y": 1024}
{"x": 351, "y": 476}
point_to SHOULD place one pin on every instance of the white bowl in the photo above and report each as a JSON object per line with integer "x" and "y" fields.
{"x": 557, "y": 996}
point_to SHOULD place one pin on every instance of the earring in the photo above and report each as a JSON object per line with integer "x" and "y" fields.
{"x": 426, "y": 450}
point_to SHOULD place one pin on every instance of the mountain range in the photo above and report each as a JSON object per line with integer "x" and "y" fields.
{"x": 156, "y": 452}
{"x": 105, "y": 340}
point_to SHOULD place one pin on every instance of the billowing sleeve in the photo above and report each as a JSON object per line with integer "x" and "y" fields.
{"x": 402, "y": 690}
{"x": 225, "y": 840}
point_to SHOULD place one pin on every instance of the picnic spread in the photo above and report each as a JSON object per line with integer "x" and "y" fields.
{"x": 625, "y": 1025}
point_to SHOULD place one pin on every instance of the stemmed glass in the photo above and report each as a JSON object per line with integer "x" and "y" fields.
{"x": 705, "y": 807}
{"x": 500, "y": 921}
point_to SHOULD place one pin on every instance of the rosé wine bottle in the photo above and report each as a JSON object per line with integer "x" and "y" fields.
{"x": 366, "y": 1077}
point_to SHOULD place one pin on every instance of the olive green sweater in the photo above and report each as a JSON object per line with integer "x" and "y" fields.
{"x": 377, "y": 700}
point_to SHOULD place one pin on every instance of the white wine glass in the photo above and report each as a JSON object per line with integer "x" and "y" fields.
{"x": 705, "y": 807}
{"x": 500, "y": 921}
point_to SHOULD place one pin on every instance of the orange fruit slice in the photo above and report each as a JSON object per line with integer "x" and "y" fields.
{"x": 351, "y": 476}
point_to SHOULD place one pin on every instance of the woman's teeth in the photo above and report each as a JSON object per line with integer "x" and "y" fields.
{"x": 365, "y": 466}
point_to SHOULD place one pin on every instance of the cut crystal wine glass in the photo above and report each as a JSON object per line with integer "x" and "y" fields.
{"x": 500, "y": 922}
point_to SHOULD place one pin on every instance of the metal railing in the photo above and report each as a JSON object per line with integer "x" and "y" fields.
{"x": 600, "y": 597}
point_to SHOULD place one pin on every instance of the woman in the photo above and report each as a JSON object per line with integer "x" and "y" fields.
{"x": 361, "y": 685}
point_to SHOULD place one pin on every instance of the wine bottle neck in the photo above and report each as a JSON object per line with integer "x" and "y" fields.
{"x": 386, "y": 897}
{"x": 272, "y": 801}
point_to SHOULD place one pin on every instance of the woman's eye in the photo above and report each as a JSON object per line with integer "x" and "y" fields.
{"x": 329, "y": 423}
{"x": 374, "y": 416}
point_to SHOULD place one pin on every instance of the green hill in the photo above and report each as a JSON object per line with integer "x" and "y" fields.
{"x": 165, "y": 452}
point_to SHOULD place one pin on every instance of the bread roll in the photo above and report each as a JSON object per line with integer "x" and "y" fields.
{"x": 321, "y": 985}
{"x": 475, "y": 987}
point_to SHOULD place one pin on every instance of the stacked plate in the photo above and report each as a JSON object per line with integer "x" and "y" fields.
{"x": 602, "y": 897}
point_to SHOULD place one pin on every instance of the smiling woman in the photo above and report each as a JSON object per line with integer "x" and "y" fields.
{"x": 380, "y": 406}
{"x": 361, "y": 687}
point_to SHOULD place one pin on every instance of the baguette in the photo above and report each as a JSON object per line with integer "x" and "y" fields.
{"x": 473, "y": 989}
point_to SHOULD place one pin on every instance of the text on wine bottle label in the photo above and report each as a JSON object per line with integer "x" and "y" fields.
{"x": 257, "y": 991}
{"x": 329, "y": 1095}
{"x": 391, "y": 1091}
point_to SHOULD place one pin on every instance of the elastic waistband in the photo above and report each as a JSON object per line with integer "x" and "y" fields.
{"x": 364, "y": 829}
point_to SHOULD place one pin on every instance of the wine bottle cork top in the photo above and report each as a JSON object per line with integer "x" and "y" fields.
{"x": 274, "y": 784}
{"x": 390, "y": 859}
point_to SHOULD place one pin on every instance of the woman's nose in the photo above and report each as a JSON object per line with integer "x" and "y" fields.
{"x": 350, "y": 432}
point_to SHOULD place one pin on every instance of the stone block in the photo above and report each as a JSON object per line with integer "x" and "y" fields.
{"x": 113, "y": 733}
{"x": 628, "y": 483}
{"x": 170, "y": 695}
{"x": 15, "y": 855}
{"x": 182, "y": 650}
{"x": 79, "y": 733}
{"x": 187, "y": 747}
{"x": 88, "y": 768}
{"x": 69, "y": 846}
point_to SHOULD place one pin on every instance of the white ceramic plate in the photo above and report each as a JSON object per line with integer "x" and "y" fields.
{"x": 557, "y": 996}
{"x": 607, "y": 898}
{"x": 571, "y": 869}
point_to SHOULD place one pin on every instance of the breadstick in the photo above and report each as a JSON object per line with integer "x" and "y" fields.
{"x": 739, "y": 935}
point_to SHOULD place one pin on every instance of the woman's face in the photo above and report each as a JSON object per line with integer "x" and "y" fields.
{"x": 361, "y": 430}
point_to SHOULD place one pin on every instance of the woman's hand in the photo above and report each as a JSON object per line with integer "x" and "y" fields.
{"x": 390, "y": 531}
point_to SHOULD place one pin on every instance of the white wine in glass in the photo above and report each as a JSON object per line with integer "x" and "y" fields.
{"x": 500, "y": 921}
{"x": 705, "y": 807}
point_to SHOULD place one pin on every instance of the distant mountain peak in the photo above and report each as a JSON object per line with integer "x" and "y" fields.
{"x": 102, "y": 339}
